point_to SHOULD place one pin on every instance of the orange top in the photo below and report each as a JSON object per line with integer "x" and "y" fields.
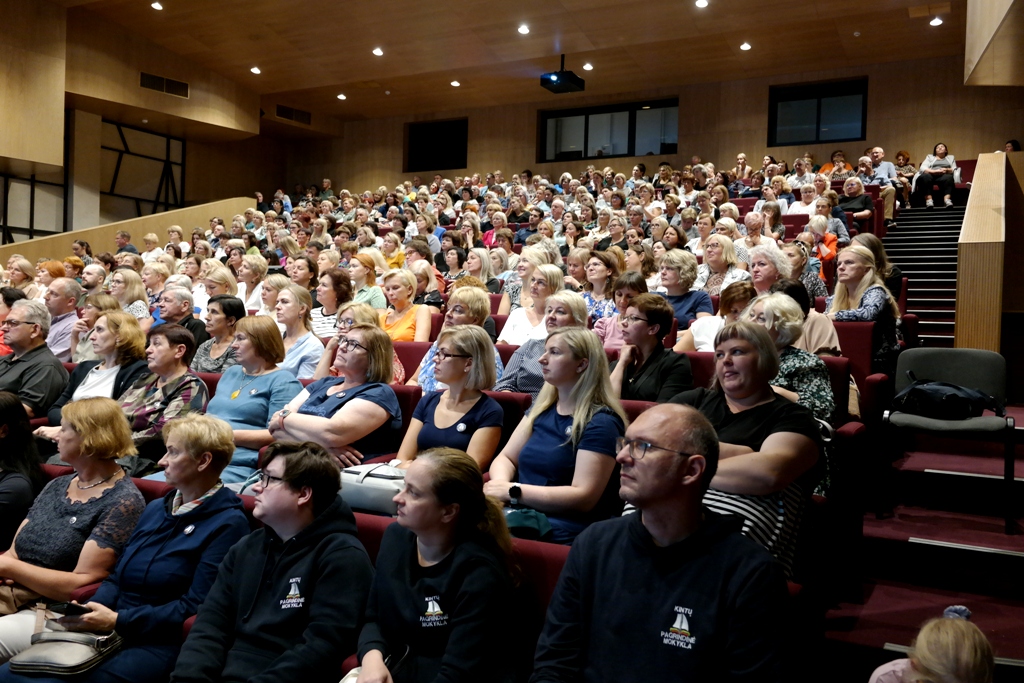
{"x": 403, "y": 329}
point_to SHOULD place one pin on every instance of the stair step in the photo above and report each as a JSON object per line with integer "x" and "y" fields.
{"x": 937, "y": 250}
{"x": 914, "y": 302}
{"x": 930, "y": 314}
{"x": 931, "y": 326}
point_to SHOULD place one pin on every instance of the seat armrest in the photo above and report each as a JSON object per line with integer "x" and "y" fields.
{"x": 85, "y": 593}
{"x": 875, "y": 397}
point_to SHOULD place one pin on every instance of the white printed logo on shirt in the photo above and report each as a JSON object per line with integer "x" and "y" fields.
{"x": 294, "y": 597}
{"x": 433, "y": 616}
{"x": 678, "y": 635}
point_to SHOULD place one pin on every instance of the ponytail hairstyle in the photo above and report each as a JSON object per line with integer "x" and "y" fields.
{"x": 457, "y": 479}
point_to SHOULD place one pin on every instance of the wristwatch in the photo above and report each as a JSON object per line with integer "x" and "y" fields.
{"x": 284, "y": 413}
{"x": 515, "y": 494}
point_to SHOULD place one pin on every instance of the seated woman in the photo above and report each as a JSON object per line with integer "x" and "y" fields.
{"x": 640, "y": 259}
{"x": 513, "y": 297}
{"x": 268, "y": 297}
{"x": 121, "y": 346}
{"x": 350, "y": 314}
{"x": 52, "y": 556}
{"x": 302, "y": 348}
{"x": 251, "y": 275}
{"x": 645, "y": 369}
{"x": 333, "y": 290}
{"x": 626, "y": 287}
{"x": 478, "y": 264}
{"x": 364, "y": 282}
{"x": 154, "y": 275}
{"x": 354, "y": 416}
{"x": 678, "y": 270}
{"x": 404, "y": 320}
{"x": 824, "y": 245}
{"x": 217, "y": 353}
{"x": 126, "y": 286}
{"x": 170, "y": 391}
{"x": 523, "y": 374}
{"x": 806, "y": 204}
{"x": 249, "y": 393}
{"x": 769, "y": 446}
{"x": 459, "y": 415}
{"x": 426, "y": 286}
{"x": 891, "y": 274}
{"x": 602, "y": 271}
{"x": 450, "y": 549}
{"x": 938, "y": 168}
{"x": 861, "y": 296}
{"x": 855, "y": 201}
{"x": 302, "y": 270}
{"x": 394, "y": 253}
{"x": 526, "y": 323}
{"x": 767, "y": 266}
{"x": 81, "y": 332}
{"x": 731, "y": 303}
{"x": 21, "y": 479}
{"x": 819, "y": 334}
{"x": 563, "y": 452}
{"x": 799, "y": 257}
{"x": 803, "y": 377}
{"x": 705, "y": 225}
{"x": 720, "y": 268}
{"x": 165, "y": 574}
{"x": 771, "y": 214}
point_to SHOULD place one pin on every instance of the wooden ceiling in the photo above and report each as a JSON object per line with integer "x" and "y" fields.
{"x": 309, "y": 51}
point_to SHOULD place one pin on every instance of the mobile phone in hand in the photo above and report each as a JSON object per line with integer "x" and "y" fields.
{"x": 69, "y": 609}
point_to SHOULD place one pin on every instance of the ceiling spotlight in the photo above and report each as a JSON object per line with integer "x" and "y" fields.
{"x": 342, "y": 97}
{"x": 936, "y": 22}
{"x": 157, "y": 5}
{"x": 701, "y": 3}
{"x": 588, "y": 67}
{"x": 379, "y": 52}
{"x": 455, "y": 84}
{"x": 524, "y": 29}
{"x": 255, "y": 70}
{"x": 745, "y": 46}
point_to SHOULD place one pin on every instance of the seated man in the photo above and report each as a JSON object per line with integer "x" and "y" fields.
{"x": 289, "y": 599}
{"x": 697, "y": 594}
{"x": 61, "y": 299}
{"x": 31, "y": 371}
{"x": 176, "y": 306}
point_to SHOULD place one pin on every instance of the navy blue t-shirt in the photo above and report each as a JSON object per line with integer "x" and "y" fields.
{"x": 549, "y": 459}
{"x": 378, "y": 442}
{"x": 688, "y": 305}
{"x": 485, "y": 413}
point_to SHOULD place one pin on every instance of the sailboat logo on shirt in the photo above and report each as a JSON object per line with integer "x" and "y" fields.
{"x": 678, "y": 634}
{"x": 294, "y": 597}
{"x": 434, "y": 616}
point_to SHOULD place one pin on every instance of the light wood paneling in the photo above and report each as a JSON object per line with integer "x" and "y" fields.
{"x": 102, "y": 238}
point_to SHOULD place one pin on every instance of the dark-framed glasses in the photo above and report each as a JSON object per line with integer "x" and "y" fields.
{"x": 638, "y": 449}
{"x": 348, "y": 344}
{"x": 266, "y": 478}
{"x": 443, "y": 355}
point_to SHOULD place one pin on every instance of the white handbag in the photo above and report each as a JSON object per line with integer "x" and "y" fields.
{"x": 370, "y": 488}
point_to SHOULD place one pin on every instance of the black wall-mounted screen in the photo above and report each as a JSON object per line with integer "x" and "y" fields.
{"x": 436, "y": 145}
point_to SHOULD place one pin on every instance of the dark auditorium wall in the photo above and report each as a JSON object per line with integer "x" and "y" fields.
{"x": 216, "y": 170}
{"x": 911, "y": 105}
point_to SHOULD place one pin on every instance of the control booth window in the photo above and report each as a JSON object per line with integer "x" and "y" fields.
{"x": 809, "y": 113}
{"x": 620, "y": 130}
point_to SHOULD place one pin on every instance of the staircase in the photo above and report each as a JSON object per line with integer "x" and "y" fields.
{"x": 924, "y": 246}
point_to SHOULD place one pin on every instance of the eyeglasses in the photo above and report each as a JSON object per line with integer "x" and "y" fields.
{"x": 12, "y": 323}
{"x": 443, "y": 355}
{"x": 347, "y": 344}
{"x": 630, "y": 319}
{"x": 638, "y": 449}
{"x": 266, "y": 479}
{"x": 346, "y": 322}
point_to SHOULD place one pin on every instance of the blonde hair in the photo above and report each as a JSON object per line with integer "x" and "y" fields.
{"x": 593, "y": 389}
{"x": 950, "y": 651}
{"x": 476, "y": 300}
{"x": 276, "y": 282}
{"x": 405, "y": 277}
{"x": 576, "y": 304}
{"x": 728, "y": 248}
{"x": 684, "y": 263}
{"x": 474, "y": 342}
{"x": 502, "y": 258}
{"x": 363, "y": 313}
{"x": 134, "y": 290}
{"x": 553, "y": 275}
{"x": 257, "y": 264}
{"x": 131, "y": 340}
{"x": 100, "y": 422}
{"x": 781, "y": 313}
{"x": 203, "y": 434}
{"x": 157, "y": 268}
{"x": 423, "y": 269}
{"x": 303, "y": 298}
{"x": 844, "y": 300}
{"x": 222, "y": 276}
{"x": 486, "y": 271}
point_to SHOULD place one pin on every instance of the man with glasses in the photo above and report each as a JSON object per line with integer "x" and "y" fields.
{"x": 289, "y": 598}
{"x": 674, "y": 591}
{"x": 31, "y": 370}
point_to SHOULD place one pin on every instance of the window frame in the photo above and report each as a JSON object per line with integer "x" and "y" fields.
{"x": 818, "y": 90}
{"x": 543, "y": 116}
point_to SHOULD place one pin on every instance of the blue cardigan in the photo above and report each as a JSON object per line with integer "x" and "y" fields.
{"x": 169, "y": 565}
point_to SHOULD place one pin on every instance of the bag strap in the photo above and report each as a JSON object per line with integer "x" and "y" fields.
{"x": 92, "y": 639}
{"x": 369, "y": 470}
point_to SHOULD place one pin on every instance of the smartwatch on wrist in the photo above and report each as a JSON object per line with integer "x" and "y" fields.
{"x": 515, "y": 494}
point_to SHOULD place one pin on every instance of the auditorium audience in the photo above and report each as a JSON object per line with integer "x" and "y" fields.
{"x": 799, "y": 259}
{"x": 31, "y": 370}
{"x": 527, "y": 322}
{"x": 93, "y": 306}
{"x": 355, "y": 415}
{"x": 819, "y": 334}
{"x": 720, "y": 268}
{"x": 449, "y": 556}
{"x": 626, "y": 287}
{"x": 289, "y": 598}
{"x": 656, "y": 566}
{"x": 937, "y": 170}
{"x": 350, "y": 314}
{"x": 333, "y": 290}
{"x": 404, "y": 320}
{"x": 891, "y": 274}
{"x": 364, "y": 282}
{"x": 77, "y": 527}
{"x": 176, "y": 308}
{"x": 216, "y": 354}
{"x": 560, "y": 461}
{"x": 301, "y": 346}
{"x": 678, "y": 270}
{"x": 645, "y": 370}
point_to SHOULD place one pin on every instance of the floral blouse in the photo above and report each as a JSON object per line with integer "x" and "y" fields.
{"x": 806, "y": 374}
{"x": 597, "y": 309}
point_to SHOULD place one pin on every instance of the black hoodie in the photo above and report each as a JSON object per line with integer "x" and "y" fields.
{"x": 283, "y": 611}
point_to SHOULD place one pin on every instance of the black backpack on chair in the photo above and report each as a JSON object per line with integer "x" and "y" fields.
{"x": 944, "y": 401}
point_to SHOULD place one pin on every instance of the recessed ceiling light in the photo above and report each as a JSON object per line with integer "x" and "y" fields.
{"x": 157, "y": 5}
{"x": 342, "y": 97}
{"x": 145, "y": 120}
{"x": 645, "y": 107}
{"x": 255, "y": 70}
{"x": 379, "y": 52}
{"x": 856, "y": 34}
{"x": 524, "y": 29}
{"x": 701, "y": 3}
{"x": 745, "y": 46}
{"x": 588, "y": 67}
{"x": 936, "y": 22}
{"x": 455, "y": 84}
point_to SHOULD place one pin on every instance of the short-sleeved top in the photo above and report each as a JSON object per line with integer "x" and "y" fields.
{"x": 518, "y": 328}
{"x": 428, "y": 380}
{"x": 687, "y": 306}
{"x": 383, "y": 439}
{"x": 57, "y": 528}
{"x": 259, "y": 397}
{"x": 372, "y": 295}
{"x": 772, "y": 520}
{"x": 139, "y": 309}
{"x": 324, "y": 324}
{"x": 204, "y": 362}
{"x": 597, "y": 309}
{"x": 304, "y": 355}
{"x": 403, "y": 329}
{"x": 548, "y": 458}
{"x": 486, "y": 412}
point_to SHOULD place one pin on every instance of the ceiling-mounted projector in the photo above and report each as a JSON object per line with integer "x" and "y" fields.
{"x": 562, "y": 81}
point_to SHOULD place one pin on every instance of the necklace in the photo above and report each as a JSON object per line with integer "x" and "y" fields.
{"x": 236, "y": 392}
{"x": 78, "y": 483}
